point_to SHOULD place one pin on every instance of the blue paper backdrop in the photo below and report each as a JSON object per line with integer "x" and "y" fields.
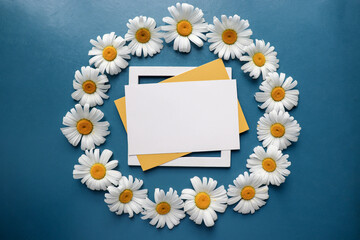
{"x": 44, "y": 42}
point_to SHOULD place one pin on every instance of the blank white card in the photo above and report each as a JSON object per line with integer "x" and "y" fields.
{"x": 192, "y": 116}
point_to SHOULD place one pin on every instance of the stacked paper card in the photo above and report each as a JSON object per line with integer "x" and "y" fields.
{"x": 196, "y": 111}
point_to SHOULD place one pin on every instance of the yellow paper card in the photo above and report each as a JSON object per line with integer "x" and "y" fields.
{"x": 214, "y": 70}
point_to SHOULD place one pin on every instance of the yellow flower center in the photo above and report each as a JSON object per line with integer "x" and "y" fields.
{"x": 248, "y": 193}
{"x": 277, "y": 130}
{"x": 184, "y": 28}
{"x": 259, "y": 59}
{"x": 98, "y": 171}
{"x": 109, "y": 53}
{"x": 126, "y": 196}
{"x": 163, "y": 208}
{"x": 143, "y": 35}
{"x": 269, "y": 164}
{"x": 202, "y": 200}
{"x": 229, "y": 36}
{"x": 278, "y": 94}
{"x": 89, "y": 86}
{"x": 84, "y": 126}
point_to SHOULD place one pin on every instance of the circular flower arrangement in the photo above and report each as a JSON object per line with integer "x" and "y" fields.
{"x": 228, "y": 38}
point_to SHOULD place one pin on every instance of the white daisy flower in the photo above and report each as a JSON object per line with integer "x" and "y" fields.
{"x": 261, "y": 59}
{"x": 204, "y": 201}
{"x": 229, "y": 37}
{"x": 144, "y": 36}
{"x": 82, "y": 124}
{"x": 167, "y": 209}
{"x": 90, "y": 87}
{"x": 249, "y": 192}
{"x": 277, "y": 93}
{"x": 96, "y": 171}
{"x": 109, "y": 53}
{"x": 127, "y": 197}
{"x": 271, "y": 166}
{"x": 187, "y": 24}
{"x": 278, "y": 128}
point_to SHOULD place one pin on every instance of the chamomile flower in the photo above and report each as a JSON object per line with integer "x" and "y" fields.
{"x": 270, "y": 165}
{"x": 249, "y": 192}
{"x": 83, "y": 124}
{"x": 167, "y": 209}
{"x": 277, "y": 93}
{"x": 127, "y": 197}
{"x": 187, "y": 24}
{"x": 144, "y": 36}
{"x": 229, "y": 37}
{"x": 90, "y": 87}
{"x": 95, "y": 170}
{"x": 109, "y": 53}
{"x": 261, "y": 59}
{"x": 204, "y": 200}
{"x": 278, "y": 128}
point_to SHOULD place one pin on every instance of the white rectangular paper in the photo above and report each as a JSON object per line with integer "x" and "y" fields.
{"x": 182, "y": 117}
{"x": 225, "y": 158}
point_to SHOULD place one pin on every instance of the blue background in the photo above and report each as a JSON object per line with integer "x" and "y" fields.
{"x": 43, "y": 43}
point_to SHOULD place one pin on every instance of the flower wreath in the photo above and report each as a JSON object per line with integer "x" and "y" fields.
{"x": 229, "y": 38}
